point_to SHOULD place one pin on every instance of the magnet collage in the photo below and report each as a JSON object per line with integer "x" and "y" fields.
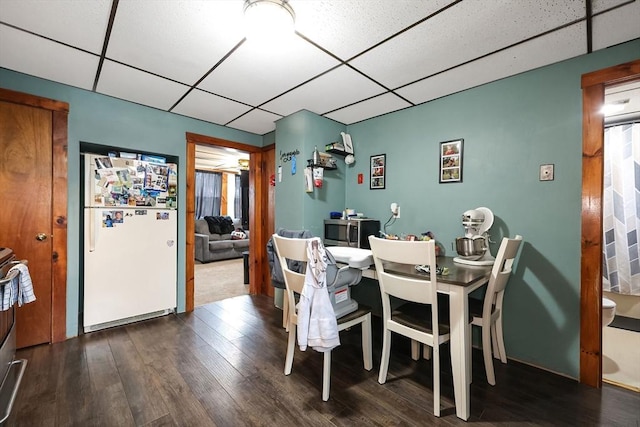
{"x": 134, "y": 183}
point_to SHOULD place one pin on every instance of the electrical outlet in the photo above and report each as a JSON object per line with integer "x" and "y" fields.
{"x": 395, "y": 210}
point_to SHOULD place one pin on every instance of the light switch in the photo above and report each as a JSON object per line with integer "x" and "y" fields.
{"x": 546, "y": 172}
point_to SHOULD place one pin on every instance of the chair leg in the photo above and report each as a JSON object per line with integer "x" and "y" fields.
{"x": 285, "y": 312}
{"x": 384, "y": 358}
{"x": 367, "y": 352}
{"x": 468, "y": 351}
{"x": 500, "y": 339}
{"x": 291, "y": 346}
{"x": 326, "y": 376}
{"x": 494, "y": 342}
{"x": 426, "y": 352}
{"x": 415, "y": 349}
{"x": 486, "y": 352}
{"x": 436, "y": 379}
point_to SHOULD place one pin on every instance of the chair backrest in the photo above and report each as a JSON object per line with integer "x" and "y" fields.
{"x": 295, "y": 250}
{"x": 407, "y": 288}
{"x": 500, "y": 274}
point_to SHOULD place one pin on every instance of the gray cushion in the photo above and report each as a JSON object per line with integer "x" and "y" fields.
{"x": 220, "y": 245}
{"x": 201, "y": 226}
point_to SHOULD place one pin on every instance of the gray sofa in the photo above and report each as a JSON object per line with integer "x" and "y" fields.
{"x": 215, "y": 247}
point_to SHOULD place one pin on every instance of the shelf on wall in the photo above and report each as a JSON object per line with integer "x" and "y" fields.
{"x": 338, "y": 152}
{"x": 310, "y": 164}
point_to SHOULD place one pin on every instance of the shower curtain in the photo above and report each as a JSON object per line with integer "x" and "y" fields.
{"x": 621, "y": 209}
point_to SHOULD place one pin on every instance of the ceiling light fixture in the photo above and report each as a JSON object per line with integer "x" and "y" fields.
{"x": 268, "y": 19}
{"x": 614, "y": 107}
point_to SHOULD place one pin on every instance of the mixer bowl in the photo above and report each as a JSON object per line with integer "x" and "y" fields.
{"x": 469, "y": 247}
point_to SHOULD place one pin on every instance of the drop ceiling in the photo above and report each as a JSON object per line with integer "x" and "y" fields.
{"x": 350, "y": 60}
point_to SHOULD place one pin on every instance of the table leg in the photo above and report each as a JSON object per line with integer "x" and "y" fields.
{"x": 460, "y": 357}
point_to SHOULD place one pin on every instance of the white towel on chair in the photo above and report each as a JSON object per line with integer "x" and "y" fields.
{"x": 317, "y": 324}
{"x": 25, "y": 292}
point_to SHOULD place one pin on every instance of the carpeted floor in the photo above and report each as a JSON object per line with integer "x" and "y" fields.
{"x": 219, "y": 280}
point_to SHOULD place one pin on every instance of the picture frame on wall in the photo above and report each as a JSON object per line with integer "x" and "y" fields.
{"x": 451, "y": 161}
{"x": 377, "y": 179}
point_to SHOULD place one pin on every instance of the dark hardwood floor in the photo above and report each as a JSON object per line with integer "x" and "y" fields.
{"x": 222, "y": 365}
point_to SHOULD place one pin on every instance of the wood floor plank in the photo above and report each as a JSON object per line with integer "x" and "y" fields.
{"x": 144, "y": 399}
{"x": 223, "y": 366}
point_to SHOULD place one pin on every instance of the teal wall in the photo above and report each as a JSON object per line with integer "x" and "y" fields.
{"x": 510, "y": 127}
{"x": 295, "y": 208}
{"x": 104, "y": 120}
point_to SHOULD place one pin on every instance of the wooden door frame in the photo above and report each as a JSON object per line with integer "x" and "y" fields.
{"x": 60, "y": 112}
{"x": 593, "y": 87}
{"x": 257, "y": 186}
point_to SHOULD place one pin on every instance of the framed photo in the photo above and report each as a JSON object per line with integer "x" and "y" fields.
{"x": 378, "y": 172}
{"x": 451, "y": 161}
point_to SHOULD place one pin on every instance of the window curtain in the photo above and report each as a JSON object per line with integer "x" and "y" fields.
{"x": 208, "y": 194}
{"x": 237, "y": 199}
{"x": 621, "y": 209}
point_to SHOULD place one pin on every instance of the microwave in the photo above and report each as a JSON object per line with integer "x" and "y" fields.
{"x": 352, "y": 232}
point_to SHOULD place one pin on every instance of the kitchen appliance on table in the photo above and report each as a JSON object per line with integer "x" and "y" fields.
{"x": 353, "y": 232}
{"x": 130, "y": 231}
{"x": 473, "y": 248}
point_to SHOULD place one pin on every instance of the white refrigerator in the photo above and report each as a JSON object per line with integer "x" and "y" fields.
{"x": 130, "y": 231}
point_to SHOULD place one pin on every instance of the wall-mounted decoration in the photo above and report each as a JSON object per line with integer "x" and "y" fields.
{"x": 451, "y": 161}
{"x": 378, "y": 172}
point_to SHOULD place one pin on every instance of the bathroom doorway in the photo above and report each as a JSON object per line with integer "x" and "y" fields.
{"x": 621, "y": 260}
{"x": 593, "y": 89}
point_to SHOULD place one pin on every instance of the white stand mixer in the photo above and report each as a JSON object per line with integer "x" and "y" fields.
{"x": 473, "y": 248}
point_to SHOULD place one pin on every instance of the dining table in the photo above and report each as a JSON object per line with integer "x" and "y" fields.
{"x": 458, "y": 282}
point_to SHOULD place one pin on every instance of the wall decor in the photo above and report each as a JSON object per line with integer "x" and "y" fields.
{"x": 378, "y": 172}
{"x": 451, "y": 161}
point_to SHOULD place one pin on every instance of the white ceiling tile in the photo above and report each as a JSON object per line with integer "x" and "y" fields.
{"x": 344, "y": 84}
{"x": 553, "y": 47}
{"x": 46, "y": 59}
{"x": 255, "y": 74}
{"x": 347, "y": 28}
{"x": 377, "y": 106}
{"x": 81, "y": 24}
{"x": 180, "y": 40}
{"x": 205, "y": 106}
{"x": 256, "y": 121}
{"x": 463, "y": 32}
{"x": 136, "y": 86}
{"x": 598, "y": 6}
{"x": 626, "y": 22}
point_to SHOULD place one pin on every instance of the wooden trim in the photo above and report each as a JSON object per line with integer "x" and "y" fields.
{"x": 59, "y": 227}
{"x": 593, "y": 85}
{"x": 591, "y": 240}
{"x": 268, "y": 211}
{"x": 256, "y": 250}
{"x": 59, "y": 175}
{"x": 223, "y": 193}
{"x": 33, "y": 101}
{"x": 613, "y": 75}
{"x": 190, "y": 238}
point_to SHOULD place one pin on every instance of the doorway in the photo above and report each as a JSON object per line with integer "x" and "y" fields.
{"x": 260, "y": 220}
{"x": 593, "y": 95}
{"x": 222, "y": 189}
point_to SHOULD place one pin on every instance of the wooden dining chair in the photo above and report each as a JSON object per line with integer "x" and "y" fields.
{"x": 420, "y": 322}
{"x": 487, "y": 313}
{"x": 296, "y": 249}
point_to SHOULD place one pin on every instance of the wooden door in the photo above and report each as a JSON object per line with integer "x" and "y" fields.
{"x": 31, "y": 161}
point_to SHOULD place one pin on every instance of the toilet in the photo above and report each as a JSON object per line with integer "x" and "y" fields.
{"x": 608, "y": 311}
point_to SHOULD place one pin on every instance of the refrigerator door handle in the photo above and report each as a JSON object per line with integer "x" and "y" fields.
{"x": 92, "y": 230}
